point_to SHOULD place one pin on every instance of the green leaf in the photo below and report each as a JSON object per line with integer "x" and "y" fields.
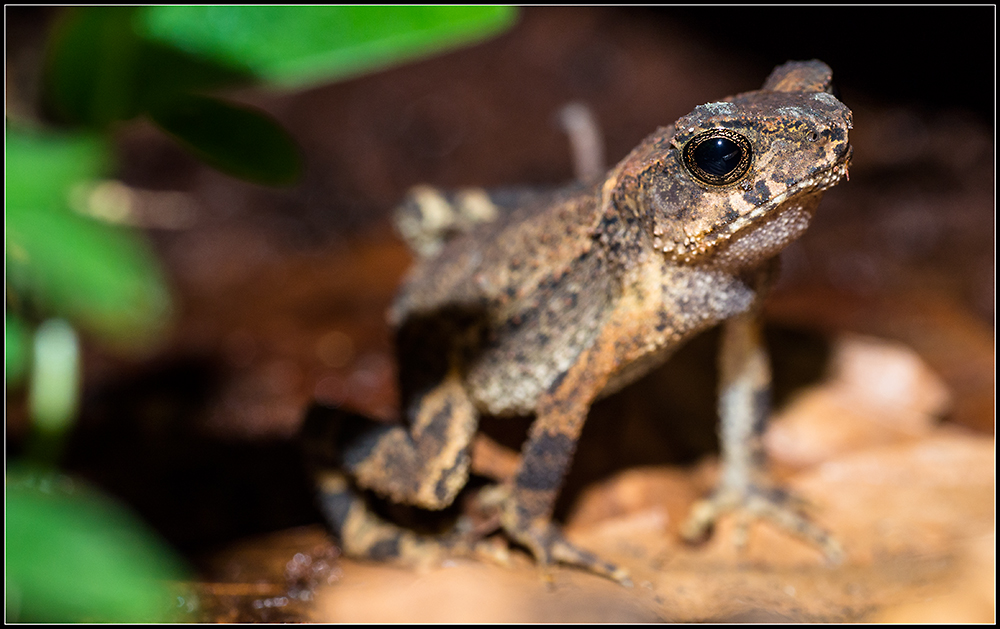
{"x": 15, "y": 350}
{"x": 92, "y": 66}
{"x": 54, "y": 394}
{"x": 295, "y": 46}
{"x": 99, "y": 70}
{"x": 74, "y": 555}
{"x": 42, "y": 169}
{"x": 100, "y": 276}
{"x": 237, "y": 140}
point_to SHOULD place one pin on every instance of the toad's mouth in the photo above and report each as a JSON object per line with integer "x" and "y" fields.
{"x": 697, "y": 246}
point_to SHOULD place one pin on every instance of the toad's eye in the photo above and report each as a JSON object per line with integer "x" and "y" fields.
{"x": 718, "y": 157}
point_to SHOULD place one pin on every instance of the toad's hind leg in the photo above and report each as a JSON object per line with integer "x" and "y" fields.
{"x": 363, "y": 534}
{"x": 425, "y": 464}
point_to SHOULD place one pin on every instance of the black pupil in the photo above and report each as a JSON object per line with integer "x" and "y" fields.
{"x": 718, "y": 156}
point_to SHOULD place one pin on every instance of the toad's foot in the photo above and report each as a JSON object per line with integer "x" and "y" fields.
{"x": 365, "y": 535}
{"x": 543, "y": 539}
{"x": 762, "y": 503}
{"x": 548, "y": 545}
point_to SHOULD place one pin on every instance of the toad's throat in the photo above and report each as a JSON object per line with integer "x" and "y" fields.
{"x": 696, "y": 246}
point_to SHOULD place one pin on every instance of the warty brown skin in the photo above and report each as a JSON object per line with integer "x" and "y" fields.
{"x": 540, "y": 304}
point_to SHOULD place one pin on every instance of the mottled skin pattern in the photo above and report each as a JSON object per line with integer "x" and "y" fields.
{"x": 539, "y": 304}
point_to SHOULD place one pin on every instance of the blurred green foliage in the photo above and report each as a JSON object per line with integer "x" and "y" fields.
{"x": 223, "y": 135}
{"x": 55, "y": 381}
{"x": 100, "y": 276}
{"x": 291, "y": 46}
{"x": 71, "y": 557}
{"x": 108, "y": 64}
{"x": 99, "y": 71}
{"x": 15, "y": 350}
{"x": 74, "y": 554}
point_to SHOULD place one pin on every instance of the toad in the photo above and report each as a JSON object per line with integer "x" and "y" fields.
{"x": 538, "y": 304}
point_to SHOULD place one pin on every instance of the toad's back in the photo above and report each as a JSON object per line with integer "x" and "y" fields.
{"x": 518, "y": 299}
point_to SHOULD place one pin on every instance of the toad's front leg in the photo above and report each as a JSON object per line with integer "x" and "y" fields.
{"x": 526, "y": 503}
{"x": 744, "y": 405}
